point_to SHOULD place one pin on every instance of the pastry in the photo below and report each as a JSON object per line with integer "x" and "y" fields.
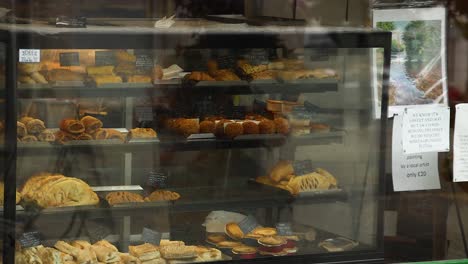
{"x": 224, "y": 75}
{"x": 34, "y": 126}
{"x": 123, "y": 56}
{"x": 264, "y": 231}
{"x": 158, "y": 73}
{"x": 207, "y": 127}
{"x": 29, "y": 138}
{"x": 26, "y": 119}
{"x": 81, "y": 244}
{"x": 219, "y": 132}
{"x": 166, "y": 242}
{"x": 272, "y": 241}
{"x": 126, "y": 258}
{"x": 123, "y": 197}
{"x": 67, "y": 248}
{"x": 144, "y": 252}
{"x": 139, "y": 79}
{"x": 281, "y": 171}
{"x": 155, "y": 261}
{"x": 114, "y": 134}
{"x": 309, "y": 182}
{"x": 282, "y": 125}
{"x": 28, "y": 68}
{"x": 72, "y": 126}
{"x": 53, "y": 256}
{"x": 62, "y": 137}
{"x": 162, "y": 195}
{"x": 207, "y": 254}
{"x": 26, "y": 79}
{"x": 2, "y": 193}
{"x": 229, "y": 244}
{"x": 27, "y": 256}
{"x": 244, "y": 250}
{"x": 232, "y": 130}
{"x": 32, "y": 184}
{"x": 215, "y": 238}
{"x": 100, "y": 70}
{"x": 267, "y": 127}
{"x": 100, "y": 134}
{"x": 212, "y": 66}
{"x": 319, "y": 128}
{"x": 64, "y": 75}
{"x": 250, "y": 128}
{"x": 91, "y": 124}
{"x": 46, "y": 136}
{"x": 265, "y": 75}
{"x": 188, "y": 126}
{"x": 38, "y": 78}
{"x": 233, "y": 231}
{"x": 248, "y": 69}
{"x": 84, "y": 136}
{"x": 142, "y": 133}
{"x": 21, "y": 130}
{"x": 331, "y": 179}
{"x": 105, "y": 243}
{"x": 178, "y": 252}
{"x": 105, "y": 254}
{"x": 106, "y": 79}
{"x": 199, "y": 76}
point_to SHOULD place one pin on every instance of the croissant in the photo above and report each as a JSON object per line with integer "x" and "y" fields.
{"x": 72, "y": 126}
{"x": 91, "y": 124}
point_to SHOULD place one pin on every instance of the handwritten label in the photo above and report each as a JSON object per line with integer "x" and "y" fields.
{"x": 460, "y": 144}
{"x": 302, "y": 167}
{"x": 105, "y": 58}
{"x": 69, "y": 59}
{"x": 29, "y": 55}
{"x": 150, "y": 236}
{"x": 284, "y": 229}
{"x": 415, "y": 171}
{"x": 426, "y": 130}
{"x": 144, "y": 61}
{"x": 248, "y": 224}
{"x": 30, "y": 239}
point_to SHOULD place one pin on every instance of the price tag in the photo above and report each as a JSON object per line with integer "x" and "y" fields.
{"x": 426, "y": 129}
{"x": 257, "y": 56}
{"x": 144, "y": 61}
{"x": 151, "y": 236}
{"x": 30, "y": 239}
{"x": 105, "y": 58}
{"x": 415, "y": 171}
{"x": 302, "y": 167}
{"x": 157, "y": 179}
{"x": 460, "y": 144}
{"x": 226, "y": 61}
{"x": 69, "y": 59}
{"x": 284, "y": 229}
{"x": 248, "y": 224}
{"x": 29, "y": 55}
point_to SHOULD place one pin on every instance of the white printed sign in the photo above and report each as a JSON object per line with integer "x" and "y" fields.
{"x": 460, "y": 144}
{"x": 426, "y": 130}
{"x": 412, "y": 172}
{"x": 29, "y": 55}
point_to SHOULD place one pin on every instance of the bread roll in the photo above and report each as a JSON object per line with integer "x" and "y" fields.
{"x": 189, "y": 126}
{"x": 207, "y": 127}
{"x": 232, "y": 130}
{"x": 282, "y": 125}
{"x": 267, "y": 127}
{"x": 250, "y": 128}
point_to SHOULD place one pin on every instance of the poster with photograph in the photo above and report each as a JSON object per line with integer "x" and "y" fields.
{"x": 418, "y": 65}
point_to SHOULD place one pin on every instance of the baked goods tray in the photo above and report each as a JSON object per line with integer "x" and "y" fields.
{"x": 319, "y": 138}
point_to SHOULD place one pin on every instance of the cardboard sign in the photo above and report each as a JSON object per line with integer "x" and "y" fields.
{"x": 302, "y": 167}
{"x": 426, "y": 129}
{"x": 415, "y": 171}
{"x": 30, "y": 239}
{"x": 151, "y": 236}
{"x": 29, "y": 55}
{"x": 460, "y": 144}
{"x": 105, "y": 58}
{"x": 248, "y": 224}
{"x": 69, "y": 59}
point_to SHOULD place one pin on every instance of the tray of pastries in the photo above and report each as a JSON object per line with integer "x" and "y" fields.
{"x": 137, "y": 198}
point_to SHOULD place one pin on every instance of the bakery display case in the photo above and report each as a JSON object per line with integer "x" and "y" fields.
{"x": 195, "y": 143}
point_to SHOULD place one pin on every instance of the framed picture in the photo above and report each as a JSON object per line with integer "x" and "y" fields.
{"x": 418, "y": 73}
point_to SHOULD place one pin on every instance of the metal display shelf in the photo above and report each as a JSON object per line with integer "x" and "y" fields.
{"x": 165, "y": 88}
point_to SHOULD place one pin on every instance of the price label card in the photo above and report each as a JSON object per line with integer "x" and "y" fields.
{"x": 426, "y": 129}
{"x": 415, "y": 171}
{"x": 302, "y": 167}
{"x": 69, "y": 59}
{"x": 151, "y": 236}
{"x": 144, "y": 61}
{"x": 30, "y": 239}
{"x": 29, "y": 55}
{"x": 257, "y": 56}
{"x": 460, "y": 144}
{"x": 105, "y": 58}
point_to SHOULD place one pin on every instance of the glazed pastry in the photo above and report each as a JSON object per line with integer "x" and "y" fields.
{"x": 123, "y": 197}
{"x": 29, "y": 138}
{"x": 166, "y": 242}
{"x": 199, "y": 76}
{"x": 53, "y": 256}
{"x": 144, "y": 252}
{"x": 331, "y": 179}
{"x": 250, "y": 128}
{"x": 81, "y": 244}
{"x": 207, "y": 127}
{"x": 32, "y": 184}
{"x": 162, "y": 195}
{"x": 106, "y": 79}
{"x": 272, "y": 240}
{"x": 100, "y": 70}
{"x": 232, "y": 130}
{"x": 84, "y": 136}
{"x": 143, "y": 133}
{"x": 72, "y": 126}
{"x": 38, "y": 78}
{"x": 46, "y": 136}
{"x": 309, "y": 182}
{"x": 267, "y": 127}
{"x": 282, "y": 125}
{"x": 206, "y": 254}
{"x": 91, "y": 124}
{"x": 114, "y": 134}
{"x": 26, "y": 79}
{"x": 67, "y": 248}
{"x": 139, "y": 79}
{"x": 282, "y": 171}
{"x": 233, "y": 231}
{"x": 248, "y": 69}
{"x": 64, "y": 75}
{"x": 21, "y": 130}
